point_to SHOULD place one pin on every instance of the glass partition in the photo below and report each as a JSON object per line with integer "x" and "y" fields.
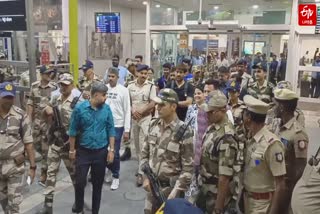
{"x": 181, "y": 12}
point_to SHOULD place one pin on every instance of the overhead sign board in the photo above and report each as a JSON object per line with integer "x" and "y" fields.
{"x": 13, "y": 15}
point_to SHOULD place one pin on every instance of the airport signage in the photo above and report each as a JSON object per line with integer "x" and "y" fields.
{"x": 307, "y": 14}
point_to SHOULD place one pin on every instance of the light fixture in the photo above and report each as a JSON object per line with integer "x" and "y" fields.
{"x": 317, "y": 0}
{"x": 255, "y": 6}
{"x": 144, "y": 2}
{"x": 157, "y": 5}
{"x": 169, "y": 9}
{"x": 216, "y": 7}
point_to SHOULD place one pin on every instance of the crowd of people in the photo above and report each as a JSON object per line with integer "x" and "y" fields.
{"x": 224, "y": 140}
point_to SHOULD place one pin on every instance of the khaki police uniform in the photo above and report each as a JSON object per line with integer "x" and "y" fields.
{"x": 264, "y": 161}
{"x": 39, "y": 98}
{"x": 218, "y": 157}
{"x": 306, "y": 194}
{"x": 85, "y": 84}
{"x": 15, "y": 131}
{"x": 170, "y": 156}
{"x": 141, "y": 96}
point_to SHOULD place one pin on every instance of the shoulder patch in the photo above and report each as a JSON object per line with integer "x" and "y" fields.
{"x": 302, "y": 145}
{"x": 279, "y": 157}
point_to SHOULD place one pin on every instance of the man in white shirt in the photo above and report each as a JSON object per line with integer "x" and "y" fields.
{"x": 222, "y": 61}
{"x": 119, "y": 102}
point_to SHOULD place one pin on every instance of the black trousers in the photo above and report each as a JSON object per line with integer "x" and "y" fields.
{"x": 96, "y": 160}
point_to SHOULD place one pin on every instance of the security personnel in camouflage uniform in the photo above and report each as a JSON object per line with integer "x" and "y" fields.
{"x": 15, "y": 139}
{"x": 261, "y": 88}
{"x": 237, "y": 107}
{"x": 89, "y": 77}
{"x": 40, "y": 94}
{"x": 168, "y": 151}
{"x": 264, "y": 169}
{"x": 218, "y": 163}
{"x": 57, "y": 150}
{"x": 272, "y": 122}
{"x": 294, "y": 138}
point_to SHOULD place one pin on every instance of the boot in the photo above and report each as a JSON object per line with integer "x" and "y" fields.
{"x": 126, "y": 154}
{"x": 43, "y": 178}
{"x": 47, "y": 207}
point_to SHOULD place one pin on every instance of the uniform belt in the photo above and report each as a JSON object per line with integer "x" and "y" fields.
{"x": 260, "y": 195}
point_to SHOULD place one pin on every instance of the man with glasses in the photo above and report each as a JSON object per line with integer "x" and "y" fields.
{"x": 142, "y": 92}
{"x": 123, "y": 72}
{"x": 261, "y": 89}
{"x": 218, "y": 158}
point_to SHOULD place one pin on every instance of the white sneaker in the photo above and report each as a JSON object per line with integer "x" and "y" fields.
{"x": 115, "y": 184}
{"x": 108, "y": 177}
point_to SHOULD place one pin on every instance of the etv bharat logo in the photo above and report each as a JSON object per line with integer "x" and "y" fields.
{"x": 307, "y": 14}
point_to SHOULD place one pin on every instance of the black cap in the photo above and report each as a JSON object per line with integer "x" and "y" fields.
{"x": 142, "y": 67}
{"x": 242, "y": 62}
{"x": 187, "y": 60}
{"x": 259, "y": 66}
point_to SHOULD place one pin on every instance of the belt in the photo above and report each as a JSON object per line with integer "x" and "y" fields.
{"x": 91, "y": 150}
{"x": 260, "y": 195}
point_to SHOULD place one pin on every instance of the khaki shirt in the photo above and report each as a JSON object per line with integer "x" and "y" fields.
{"x": 168, "y": 158}
{"x": 141, "y": 95}
{"x": 219, "y": 153}
{"x": 295, "y": 140}
{"x": 273, "y": 123}
{"x": 40, "y": 96}
{"x": 264, "y": 160}
{"x": 263, "y": 93}
{"x": 15, "y": 132}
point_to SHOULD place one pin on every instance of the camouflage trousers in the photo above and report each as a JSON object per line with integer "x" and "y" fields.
{"x": 207, "y": 199}
{"x": 11, "y": 177}
{"x": 150, "y": 202}
{"x": 40, "y": 139}
{"x": 55, "y": 155}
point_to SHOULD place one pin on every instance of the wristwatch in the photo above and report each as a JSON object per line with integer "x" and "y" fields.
{"x": 217, "y": 211}
{"x": 33, "y": 167}
{"x": 111, "y": 150}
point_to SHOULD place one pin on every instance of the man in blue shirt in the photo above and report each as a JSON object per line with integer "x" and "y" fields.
{"x": 92, "y": 124}
{"x": 162, "y": 82}
{"x": 123, "y": 72}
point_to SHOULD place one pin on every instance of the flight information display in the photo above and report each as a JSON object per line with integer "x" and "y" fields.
{"x": 12, "y": 15}
{"x": 107, "y": 22}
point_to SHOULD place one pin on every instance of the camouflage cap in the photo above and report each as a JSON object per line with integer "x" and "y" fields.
{"x": 285, "y": 94}
{"x": 216, "y": 99}
{"x": 196, "y": 68}
{"x": 254, "y": 105}
{"x": 284, "y": 84}
{"x": 166, "y": 95}
{"x": 66, "y": 78}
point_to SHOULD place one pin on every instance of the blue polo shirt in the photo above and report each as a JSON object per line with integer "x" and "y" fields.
{"x": 92, "y": 127}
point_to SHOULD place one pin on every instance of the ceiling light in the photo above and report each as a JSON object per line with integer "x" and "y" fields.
{"x": 216, "y": 7}
{"x": 317, "y": 0}
{"x": 144, "y": 3}
{"x": 255, "y": 6}
{"x": 169, "y": 9}
{"x": 157, "y": 5}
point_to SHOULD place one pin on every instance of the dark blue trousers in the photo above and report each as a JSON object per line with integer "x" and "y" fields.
{"x": 115, "y": 166}
{"x": 96, "y": 160}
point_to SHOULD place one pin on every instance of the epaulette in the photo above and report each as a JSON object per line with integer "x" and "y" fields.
{"x": 131, "y": 82}
{"x": 297, "y": 127}
{"x": 228, "y": 130}
{"x": 19, "y": 110}
{"x": 53, "y": 85}
{"x": 150, "y": 82}
{"x": 271, "y": 139}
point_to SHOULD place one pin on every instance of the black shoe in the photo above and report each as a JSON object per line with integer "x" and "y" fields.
{"x": 45, "y": 210}
{"x": 126, "y": 155}
{"x": 75, "y": 210}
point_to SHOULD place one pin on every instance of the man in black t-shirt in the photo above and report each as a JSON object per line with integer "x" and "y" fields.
{"x": 184, "y": 90}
